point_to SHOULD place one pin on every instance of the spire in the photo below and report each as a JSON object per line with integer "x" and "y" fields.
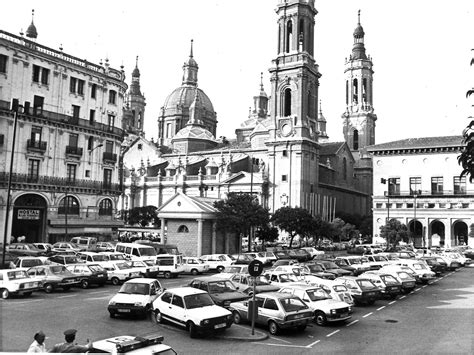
{"x": 195, "y": 110}
{"x": 135, "y": 86}
{"x": 136, "y": 72}
{"x": 358, "y": 50}
{"x": 260, "y": 101}
{"x": 190, "y": 69}
{"x": 31, "y": 31}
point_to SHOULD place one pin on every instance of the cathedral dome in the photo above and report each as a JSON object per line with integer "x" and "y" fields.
{"x": 184, "y": 97}
{"x": 359, "y": 31}
{"x": 194, "y": 132}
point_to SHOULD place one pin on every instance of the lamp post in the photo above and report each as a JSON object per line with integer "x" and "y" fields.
{"x": 414, "y": 218}
{"x": 14, "y": 108}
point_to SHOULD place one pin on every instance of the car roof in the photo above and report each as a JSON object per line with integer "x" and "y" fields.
{"x": 140, "y": 280}
{"x": 185, "y": 290}
{"x": 302, "y": 286}
{"x": 274, "y": 295}
{"x": 88, "y": 253}
{"x": 209, "y": 278}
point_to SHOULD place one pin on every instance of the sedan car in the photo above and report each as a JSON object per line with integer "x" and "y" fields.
{"x": 17, "y": 282}
{"x": 105, "y": 246}
{"x": 194, "y": 265}
{"x": 389, "y": 286}
{"x": 52, "y": 277}
{"x": 25, "y": 249}
{"x": 217, "y": 261}
{"x": 192, "y": 309}
{"x": 222, "y": 291}
{"x": 27, "y": 261}
{"x": 245, "y": 283}
{"x": 299, "y": 255}
{"x": 282, "y": 278}
{"x": 65, "y": 259}
{"x": 437, "y": 266}
{"x": 147, "y": 269}
{"x": 332, "y": 267}
{"x": 408, "y": 282}
{"x": 276, "y": 311}
{"x": 135, "y": 297}
{"x": 90, "y": 274}
{"x": 120, "y": 272}
{"x": 65, "y": 246}
{"x": 355, "y": 264}
{"x": 363, "y": 290}
{"x": 317, "y": 270}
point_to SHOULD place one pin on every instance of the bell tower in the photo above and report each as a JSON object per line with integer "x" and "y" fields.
{"x": 136, "y": 103}
{"x": 293, "y": 144}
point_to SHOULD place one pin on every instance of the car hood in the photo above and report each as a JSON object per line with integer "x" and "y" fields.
{"x": 229, "y": 296}
{"x": 129, "y": 298}
{"x": 264, "y": 288}
{"x": 329, "y": 304}
{"x": 213, "y": 311}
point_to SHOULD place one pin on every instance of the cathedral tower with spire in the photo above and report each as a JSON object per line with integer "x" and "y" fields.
{"x": 136, "y": 104}
{"x": 293, "y": 142}
{"x": 359, "y": 118}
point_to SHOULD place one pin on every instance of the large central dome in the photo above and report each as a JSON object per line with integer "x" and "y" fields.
{"x": 183, "y": 97}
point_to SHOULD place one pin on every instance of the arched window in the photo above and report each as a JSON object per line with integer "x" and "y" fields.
{"x": 301, "y": 36}
{"x": 71, "y": 206}
{"x": 183, "y": 229}
{"x": 90, "y": 143}
{"x": 287, "y": 102}
{"x": 355, "y": 92}
{"x": 364, "y": 90}
{"x": 105, "y": 207}
{"x": 139, "y": 122}
{"x": 344, "y": 168}
{"x": 356, "y": 140}
{"x": 347, "y": 92}
{"x": 289, "y": 36}
{"x": 279, "y": 38}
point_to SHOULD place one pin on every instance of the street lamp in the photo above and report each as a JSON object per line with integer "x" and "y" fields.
{"x": 387, "y": 193}
{"x": 414, "y": 218}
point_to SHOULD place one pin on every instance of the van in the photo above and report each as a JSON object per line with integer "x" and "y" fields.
{"x": 170, "y": 265}
{"x": 134, "y": 251}
{"x": 85, "y": 243}
{"x": 161, "y": 248}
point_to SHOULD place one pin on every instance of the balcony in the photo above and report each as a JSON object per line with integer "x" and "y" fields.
{"x": 429, "y": 193}
{"x": 109, "y": 157}
{"x": 74, "y": 151}
{"x": 37, "y": 146}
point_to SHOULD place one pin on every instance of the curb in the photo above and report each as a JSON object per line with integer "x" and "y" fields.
{"x": 259, "y": 336}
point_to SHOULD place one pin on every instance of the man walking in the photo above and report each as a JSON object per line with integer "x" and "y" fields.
{"x": 69, "y": 346}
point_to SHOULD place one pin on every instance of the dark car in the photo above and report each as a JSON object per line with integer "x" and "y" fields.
{"x": 242, "y": 259}
{"x": 282, "y": 262}
{"x": 222, "y": 291}
{"x": 300, "y": 255}
{"x": 332, "y": 267}
{"x": 362, "y": 289}
{"x": 281, "y": 255}
{"x": 65, "y": 259}
{"x": 9, "y": 259}
{"x": 25, "y": 249}
{"x": 317, "y": 270}
{"x": 437, "y": 266}
{"x": 89, "y": 274}
{"x": 53, "y": 277}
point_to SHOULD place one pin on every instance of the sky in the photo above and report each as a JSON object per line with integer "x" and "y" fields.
{"x": 420, "y": 49}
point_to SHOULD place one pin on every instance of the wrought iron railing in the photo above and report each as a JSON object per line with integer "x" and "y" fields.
{"x": 36, "y": 145}
{"x": 109, "y": 156}
{"x": 73, "y": 150}
{"x": 428, "y": 193}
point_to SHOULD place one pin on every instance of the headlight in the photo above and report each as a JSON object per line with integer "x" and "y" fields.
{"x": 333, "y": 311}
{"x": 205, "y": 321}
{"x": 350, "y": 309}
{"x": 229, "y": 316}
{"x": 138, "y": 304}
{"x": 112, "y": 303}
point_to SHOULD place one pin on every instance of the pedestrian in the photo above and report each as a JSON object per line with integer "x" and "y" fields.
{"x": 69, "y": 346}
{"x": 21, "y": 239}
{"x": 37, "y": 346}
{"x": 12, "y": 239}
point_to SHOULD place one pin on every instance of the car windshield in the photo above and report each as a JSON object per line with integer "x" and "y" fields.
{"x": 96, "y": 268}
{"x": 122, "y": 266}
{"x": 343, "y": 262}
{"x": 116, "y": 257}
{"x": 389, "y": 279}
{"x": 366, "y": 284}
{"x": 339, "y": 288}
{"x": 379, "y": 258}
{"x": 137, "y": 264}
{"x": 292, "y": 304}
{"x": 31, "y": 262}
{"x": 198, "y": 300}
{"x": 330, "y": 265}
{"x": 71, "y": 260}
{"x": 31, "y": 246}
{"x": 315, "y": 268}
{"x": 317, "y": 294}
{"x": 288, "y": 278}
{"x": 99, "y": 257}
{"x": 59, "y": 269}
{"x": 147, "y": 251}
{"x": 135, "y": 288}
{"x": 221, "y": 286}
{"x": 403, "y": 275}
{"x": 17, "y": 274}
{"x": 261, "y": 255}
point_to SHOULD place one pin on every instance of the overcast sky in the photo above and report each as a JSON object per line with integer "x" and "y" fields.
{"x": 420, "y": 49}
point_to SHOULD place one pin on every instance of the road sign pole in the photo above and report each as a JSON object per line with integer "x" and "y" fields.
{"x": 253, "y": 305}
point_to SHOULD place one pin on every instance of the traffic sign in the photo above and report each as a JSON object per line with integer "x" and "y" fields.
{"x": 255, "y": 268}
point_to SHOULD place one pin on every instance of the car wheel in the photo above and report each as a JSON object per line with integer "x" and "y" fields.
{"x": 158, "y": 316}
{"x": 301, "y": 328}
{"x": 48, "y": 288}
{"x": 237, "y": 317}
{"x": 167, "y": 275}
{"x": 5, "y": 293}
{"x": 220, "y": 268}
{"x": 84, "y": 284}
{"x": 115, "y": 281}
{"x": 320, "y": 318}
{"x": 194, "y": 272}
{"x": 192, "y": 330}
{"x": 273, "y": 328}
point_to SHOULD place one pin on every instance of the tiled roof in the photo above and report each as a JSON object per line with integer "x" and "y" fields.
{"x": 330, "y": 148}
{"x": 416, "y": 143}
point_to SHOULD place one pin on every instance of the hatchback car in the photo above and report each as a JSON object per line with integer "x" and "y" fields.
{"x": 300, "y": 255}
{"x": 332, "y": 267}
{"x": 317, "y": 270}
{"x": 52, "y": 277}
{"x": 217, "y": 261}
{"x": 94, "y": 258}
{"x": 245, "y": 283}
{"x": 90, "y": 274}
{"x": 135, "y": 297}
{"x": 408, "y": 282}
{"x": 389, "y": 286}
{"x": 282, "y": 278}
{"x": 192, "y": 309}
{"x": 336, "y": 290}
{"x": 194, "y": 265}
{"x": 65, "y": 259}
{"x": 276, "y": 311}
{"x": 17, "y": 282}
{"x": 65, "y": 246}
{"x": 362, "y": 289}
{"x": 437, "y": 266}
{"x": 105, "y": 246}
{"x": 232, "y": 269}
{"x": 325, "y": 308}
{"x": 147, "y": 269}
{"x": 222, "y": 291}
{"x": 120, "y": 272}
{"x": 27, "y": 261}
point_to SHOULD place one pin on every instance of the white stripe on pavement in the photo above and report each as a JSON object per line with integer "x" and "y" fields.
{"x": 402, "y": 297}
{"x": 334, "y": 332}
{"x": 353, "y": 322}
{"x": 312, "y": 344}
{"x": 392, "y": 302}
{"x": 380, "y": 308}
{"x": 368, "y": 314}
{"x": 68, "y": 296}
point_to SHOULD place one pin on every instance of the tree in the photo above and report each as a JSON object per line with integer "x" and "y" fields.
{"x": 366, "y": 226}
{"x": 239, "y": 213}
{"x": 267, "y": 234}
{"x": 142, "y": 216}
{"x": 295, "y": 221}
{"x": 394, "y": 232}
{"x": 466, "y": 158}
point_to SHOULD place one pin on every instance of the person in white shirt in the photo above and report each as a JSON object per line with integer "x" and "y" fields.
{"x": 37, "y": 346}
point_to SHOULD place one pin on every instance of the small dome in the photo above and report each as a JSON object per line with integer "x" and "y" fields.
{"x": 31, "y": 31}
{"x": 194, "y": 132}
{"x": 191, "y": 62}
{"x": 184, "y": 96}
{"x": 136, "y": 72}
{"x": 359, "y": 31}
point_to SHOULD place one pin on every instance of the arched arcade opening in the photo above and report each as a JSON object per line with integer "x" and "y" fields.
{"x": 29, "y": 218}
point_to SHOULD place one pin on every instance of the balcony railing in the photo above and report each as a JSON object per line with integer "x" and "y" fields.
{"x": 57, "y": 183}
{"x": 36, "y": 145}
{"x": 109, "y": 157}
{"x": 73, "y": 150}
{"x": 428, "y": 193}
{"x": 70, "y": 210}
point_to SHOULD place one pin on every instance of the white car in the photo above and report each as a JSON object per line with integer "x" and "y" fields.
{"x": 325, "y": 308}
{"x": 313, "y": 251}
{"x": 131, "y": 345}
{"x": 233, "y": 269}
{"x": 194, "y": 265}
{"x": 135, "y": 297}
{"x": 337, "y": 290}
{"x": 120, "y": 272}
{"x": 282, "y": 278}
{"x": 114, "y": 257}
{"x": 217, "y": 261}
{"x": 94, "y": 258}
{"x": 17, "y": 282}
{"x": 260, "y": 256}
{"x": 192, "y": 309}
{"x": 147, "y": 268}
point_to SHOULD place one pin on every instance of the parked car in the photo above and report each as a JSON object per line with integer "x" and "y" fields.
{"x": 146, "y": 270}
{"x": 194, "y": 265}
{"x": 222, "y": 291}
{"x": 85, "y": 243}
{"x": 282, "y": 278}
{"x": 375, "y": 261}
{"x": 135, "y": 297}
{"x": 408, "y": 282}
{"x": 313, "y": 252}
{"x": 242, "y": 259}
{"x": 389, "y": 286}
{"x": 337, "y": 290}
{"x": 300, "y": 255}
{"x": 105, "y": 246}
{"x": 362, "y": 289}
{"x": 114, "y": 257}
{"x": 45, "y": 247}
{"x": 95, "y": 258}
{"x": 120, "y": 272}
{"x": 128, "y": 344}
{"x": 7, "y": 261}
{"x": 406, "y": 254}
{"x": 283, "y": 262}
{"x": 217, "y": 261}
{"x": 325, "y": 308}
{"x": 17, "y": 282}
{"x": 232, "y": 269}
{"x": 282, "y": 254}
{"x": 421, "y": 269}
{"x": 317, "y": 270}
{"x": 25, "y": 249}
{"x": 271, "y": 256}
{"x": 52, "y": 277}
{"x": 261, "y": 257}
{"x": 65, "y": 259}
{"x": 332, "y": 267}
{"x": 27, "y": 261}
{"x": 170, "y": 265}
{"x": 192, "y": 309}
{"x": 452, "y": 264}
{"x": 89, "y": 274}
{"x": 65, "y": 246}
{"x": 245, "y": 283}
{"x": 438, "y": 267}
{"x": 353, "y": 263}
{"x": 276, "y": 311}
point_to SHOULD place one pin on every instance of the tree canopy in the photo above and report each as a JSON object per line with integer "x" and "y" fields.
{"x": 141, "y": 216}
{"x": 295, "y": 221}
{"x": 394, "y": 232}
{"x": 466, "y": 158}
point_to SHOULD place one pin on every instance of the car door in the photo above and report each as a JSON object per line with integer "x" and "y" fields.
{"x": 178, "y": 311}
{"x": 269, "y": 311}
{"x": 155, "y": 291}
{"x": 164, "y": 304}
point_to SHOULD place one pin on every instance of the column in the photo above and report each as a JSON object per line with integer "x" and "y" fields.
{"x": 226, "y": 243}
{"x": 214, "y": 238}
{"x": 162, "y": 231}
{"x": 199, "y": 238}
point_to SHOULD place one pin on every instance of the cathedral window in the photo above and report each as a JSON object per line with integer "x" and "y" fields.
{"x": 347, "y": 92}
{"x": 105, "y": 207}
{"x": 183, "y": 229}
{"x": 284, "y": 178}
{"x": 287, "y": 102}
{"x": 344, "y": 168}
{"x": 356, "y": 140}
{"x": 301, "y": 36}
{"x": 69, "y": 205}
{"x": 289, "y": 36}
{"x": 355, "y": 91}
{"x": 364, "y": 90}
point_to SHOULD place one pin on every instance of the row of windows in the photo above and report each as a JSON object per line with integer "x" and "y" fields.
{"x": 437, "y": 185}
{"x": 421, "y": 205}
{"x": 70, "y": 205}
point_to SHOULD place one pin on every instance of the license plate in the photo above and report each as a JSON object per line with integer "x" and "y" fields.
{"x": 101, "y": 275}
{"x": 370, "y": 293}
{"x": 123, "y": 310}
{"x": 298, "y": 316}
{"x": 221, "y": 325}
{"x": 343, "y": 315}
